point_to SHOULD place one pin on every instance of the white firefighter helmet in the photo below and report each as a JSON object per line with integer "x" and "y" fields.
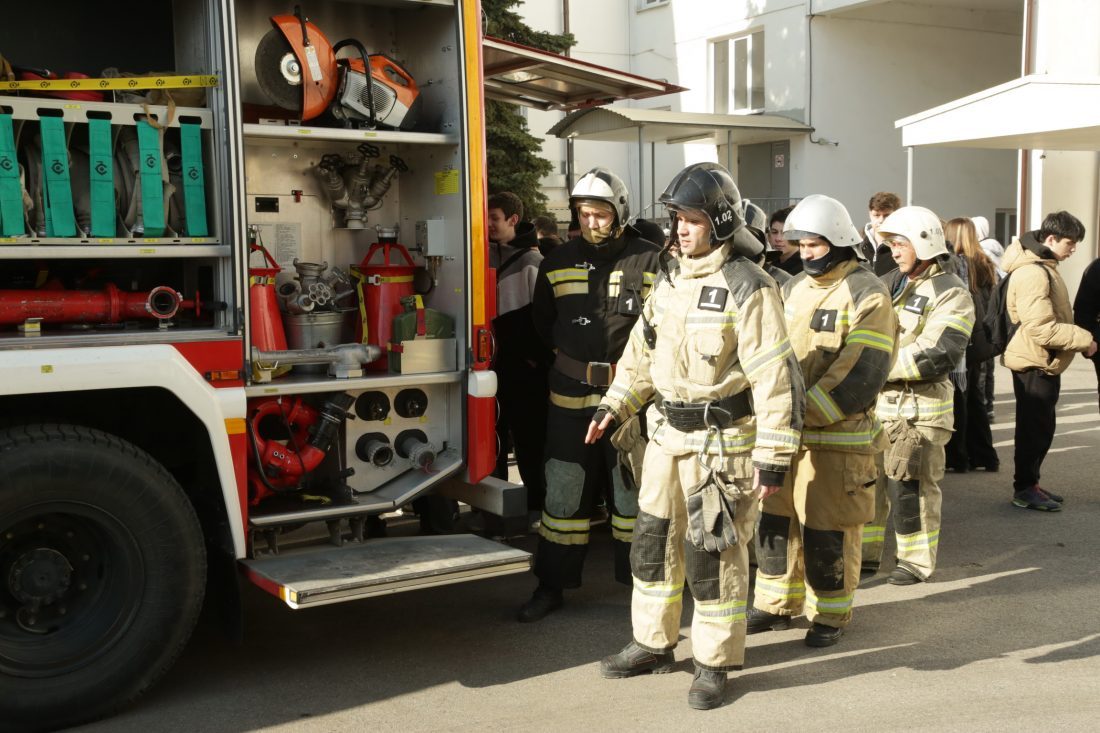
{"x": 920, "y": 226}
{"x": 600, "y": 184}
{"x": 818, "y": 215}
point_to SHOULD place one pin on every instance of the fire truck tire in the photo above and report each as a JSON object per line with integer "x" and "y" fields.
{"x": 102, "y": 574}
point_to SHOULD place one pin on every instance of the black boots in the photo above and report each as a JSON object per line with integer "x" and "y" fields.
{"x": 708, "y": 689}
{"x": 633, "y": 660}
{"x": 902, "y": 575}
{"x": 763, "y": 621}
{"x": 544, "y": 600}
{"x": 822, "y": 635}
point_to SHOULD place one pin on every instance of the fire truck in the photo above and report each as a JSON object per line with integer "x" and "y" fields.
{"x": 245, "y": 311}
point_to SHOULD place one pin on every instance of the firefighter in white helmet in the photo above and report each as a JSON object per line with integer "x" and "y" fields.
{"x": 711, "y": 350}
{"x": 936, "y": 315}
{"x": 842, "y": 329}
{"x": 588, "y": 294}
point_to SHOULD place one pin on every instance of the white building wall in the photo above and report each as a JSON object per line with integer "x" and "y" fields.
{"x": 1065, "y": 42}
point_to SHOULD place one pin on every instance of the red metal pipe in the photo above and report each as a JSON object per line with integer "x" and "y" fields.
{"x": 110, "y": 305}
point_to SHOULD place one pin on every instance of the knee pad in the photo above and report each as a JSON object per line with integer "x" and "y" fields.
{"x": 702, "y": 569}
{"x": 905, "y": 497}
{"x": 824, "y": 552}
{"x": 649, "y": 550}
{"x": 772, "y": 533}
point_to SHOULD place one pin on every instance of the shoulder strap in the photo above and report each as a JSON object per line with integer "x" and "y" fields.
{"x": 511, "y": 260}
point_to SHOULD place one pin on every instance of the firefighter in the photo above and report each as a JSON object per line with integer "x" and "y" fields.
{"x": 712, "y": 352}
{"x": 588, "y": 294}
{"x": 842, "y": 329}
{"x": 935, "y": 315}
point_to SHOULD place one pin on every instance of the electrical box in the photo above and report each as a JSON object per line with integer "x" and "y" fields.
{"x": 431, "y": 237}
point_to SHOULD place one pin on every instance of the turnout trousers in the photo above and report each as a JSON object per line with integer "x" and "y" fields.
{"x": 577, "y": 476}
{"x": 809, "y": 535}
{"x": 661, "y": 559}
{"x": 916, "y": 505}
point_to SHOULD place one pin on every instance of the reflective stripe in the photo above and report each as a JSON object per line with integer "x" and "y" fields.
{"x": 570, "y": 288}
{"x": 826, "y": 403}
{"x": 622, "y": 528}
{"x": 838, "y": 437}
{"x": 568, "y": 274}
{"x": 731, "y": 442}
{"x": 728, "y": 612}
{"x": 873, "y": 533}
{"x": 627, "y": 396}
{"x": 779, "y": 589}
{"x": 908, "y": 366}
{"x": 871, "y": 339}
{"x": 559, "y": 538}
{"x": 566, "y": 525}
{"x": 959, "y": 324}
{"x": 659, "y": 592}
{"x": 831, "y": 604}
{"x": 575, "y": 403}
{"x": 919, "y": 541}
{"x": 756, "y": 362}
{"x": 726, "y": 320}
{"x": 774, "y": 437}
{"x": 913, "y": 408}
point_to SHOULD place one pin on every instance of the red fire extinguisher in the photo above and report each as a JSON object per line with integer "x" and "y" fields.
{"x": 380, "y": 288}
{"x": 267, "y": 324}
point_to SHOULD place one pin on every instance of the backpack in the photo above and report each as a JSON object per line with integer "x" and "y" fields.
{"x": 999, "y": 328}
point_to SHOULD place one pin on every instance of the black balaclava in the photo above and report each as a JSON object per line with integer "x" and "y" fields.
{"x": 821, "y": 265}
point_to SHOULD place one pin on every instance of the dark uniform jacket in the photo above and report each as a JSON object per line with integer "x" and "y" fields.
{"x": 587, "y": 299}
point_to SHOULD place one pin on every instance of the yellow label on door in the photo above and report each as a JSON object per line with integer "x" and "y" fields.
{"x": 446, "y": 182}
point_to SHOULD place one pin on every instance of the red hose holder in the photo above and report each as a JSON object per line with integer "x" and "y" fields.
{"x": 283, "y": 467}
{"x": 109, "y": 305}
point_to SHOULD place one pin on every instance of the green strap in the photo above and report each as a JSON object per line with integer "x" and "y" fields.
{"x": 101, "y": 167}
{"x": 152, "y": 185}
{"x": 11, "y": 193}
{"x": 194, "y": 191}
{"x": 57, "y": 196}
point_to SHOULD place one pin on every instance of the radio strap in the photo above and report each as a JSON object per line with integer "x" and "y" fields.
{"x": 57, "y": 195}
{"x": 194, "y": 189}
{"x": 11, "y": 192}
{"x": 101, "y": 167}
{"x": 152, "y": 184}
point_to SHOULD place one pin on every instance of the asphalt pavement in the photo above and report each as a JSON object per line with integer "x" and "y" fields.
{"x": 1005, "y": 637}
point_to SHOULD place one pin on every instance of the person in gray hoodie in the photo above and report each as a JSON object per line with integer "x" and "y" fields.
{"x": 993, "y": 249}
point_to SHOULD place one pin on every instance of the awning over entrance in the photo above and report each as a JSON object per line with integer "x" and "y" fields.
{"x": 628, "y": 124}
{"x": 524, "y": 75}
{"x": 1034, "y": 112}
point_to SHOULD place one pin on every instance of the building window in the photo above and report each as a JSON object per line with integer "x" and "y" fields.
{"x": 647, "y": 4}
{"x": 1004, "y": 225}
{"x": 738, "y": 71}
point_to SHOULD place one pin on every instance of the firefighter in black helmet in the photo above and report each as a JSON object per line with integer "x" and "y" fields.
{"x": 588, "y": 295}
{"x": 730, "y": 398}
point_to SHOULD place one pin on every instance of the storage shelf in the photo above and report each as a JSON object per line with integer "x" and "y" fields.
{"x": 307, "y": 136}
{"x": 308, "y": 383}
{"x": 54, "y": 248}
{"x": 61, "y": 340}
{"x": 26, "y": 108}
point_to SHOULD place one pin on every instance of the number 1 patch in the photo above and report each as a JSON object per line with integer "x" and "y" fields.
{"x": 713, "y": 299}
{"x": 823, "y": 320}
{"x": 916, "y": 304}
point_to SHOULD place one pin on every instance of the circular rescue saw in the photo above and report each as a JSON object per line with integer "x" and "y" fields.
{"x": 298, "y": 69}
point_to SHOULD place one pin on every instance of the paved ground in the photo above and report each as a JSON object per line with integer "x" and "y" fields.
{"x": 1006, "y": 637}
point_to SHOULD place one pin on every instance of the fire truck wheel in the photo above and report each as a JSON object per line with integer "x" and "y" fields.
{"x": 102, "y": 574}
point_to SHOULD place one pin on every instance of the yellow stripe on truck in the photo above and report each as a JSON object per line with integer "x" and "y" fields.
{"x": 471, "y": 35}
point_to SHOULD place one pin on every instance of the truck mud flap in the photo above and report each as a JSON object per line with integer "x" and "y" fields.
{"x": 320, "y": 576}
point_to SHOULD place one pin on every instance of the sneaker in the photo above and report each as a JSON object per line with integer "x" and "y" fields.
{"x": 543, "y": 602}
{"x": 903, "y": 576}
{"x": 1050, "y": 494}
{"x": 1035, "y": 498}
{"x": 633, "y": 660}
{"x": 821, "y": 635}
{"x": 708, "y": 689}
{"x": 763, "y": 621}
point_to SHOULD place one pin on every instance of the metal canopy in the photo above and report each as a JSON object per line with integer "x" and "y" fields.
{"x": 628, "y": 124}
{"x": 1036, "y": 112}
{"x": 524, "y": 75}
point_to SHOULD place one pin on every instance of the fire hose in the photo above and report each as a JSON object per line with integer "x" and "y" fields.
{"x": 110, "y": 305}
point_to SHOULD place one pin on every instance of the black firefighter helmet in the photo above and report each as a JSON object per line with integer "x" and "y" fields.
{"x": 708, "y": 187}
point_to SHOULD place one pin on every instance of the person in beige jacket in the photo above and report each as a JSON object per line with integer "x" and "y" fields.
{"x": 711, "y": 349}
{"x": 1041, "y": 348}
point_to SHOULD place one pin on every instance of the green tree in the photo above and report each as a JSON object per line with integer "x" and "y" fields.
{"x": 513, "y": 159}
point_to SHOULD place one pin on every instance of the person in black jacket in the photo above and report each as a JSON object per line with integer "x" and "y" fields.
{"x": 588, "y": 294}
{"x": 875, "y": 250}
{"x": 1086, "y": 308}
{"x": 521, "y": 360}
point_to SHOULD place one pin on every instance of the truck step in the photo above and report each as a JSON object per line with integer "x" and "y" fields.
{"x": 319, "y": 576}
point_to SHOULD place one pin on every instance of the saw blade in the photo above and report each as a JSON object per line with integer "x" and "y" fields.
{"x": 278, "y": 71}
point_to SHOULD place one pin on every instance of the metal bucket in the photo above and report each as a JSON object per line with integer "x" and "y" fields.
{"x": 311, "y": 330}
